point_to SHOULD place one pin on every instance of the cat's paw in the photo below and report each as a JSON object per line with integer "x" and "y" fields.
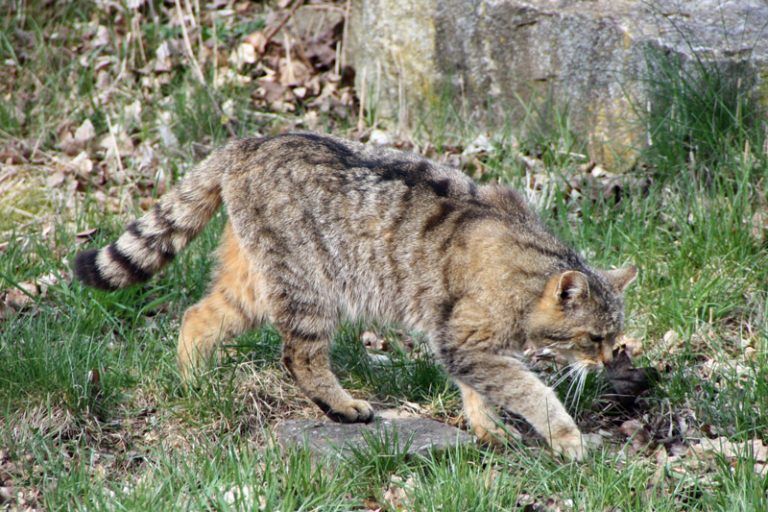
{"x": 569, "y": 445}
{"x": 350, "y": 411}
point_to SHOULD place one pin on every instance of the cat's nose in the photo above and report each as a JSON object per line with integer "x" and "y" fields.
{"x": 606, "y": 354}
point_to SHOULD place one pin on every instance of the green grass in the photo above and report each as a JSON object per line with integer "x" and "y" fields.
{"x": 702, "y": 115}
{"x": 136, "y": 439}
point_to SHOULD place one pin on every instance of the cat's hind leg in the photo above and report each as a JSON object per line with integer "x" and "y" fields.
{"x": 307, "y": 328}
{"x": 235, "y": 303}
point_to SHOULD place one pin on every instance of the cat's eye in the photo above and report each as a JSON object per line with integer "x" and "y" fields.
{"x": 596, "y": 338}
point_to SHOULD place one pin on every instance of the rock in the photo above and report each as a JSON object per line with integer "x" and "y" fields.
{"x": 587, "y": 56}
{"x": 380, "y": 138}
{"x": 328, "y": 438}
{"x": 392, "y": 47}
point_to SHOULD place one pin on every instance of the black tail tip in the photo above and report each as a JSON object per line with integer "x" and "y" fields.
{"x": 87, "y": 270}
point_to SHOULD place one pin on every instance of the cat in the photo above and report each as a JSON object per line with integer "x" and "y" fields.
{"x": 320, "y": 228}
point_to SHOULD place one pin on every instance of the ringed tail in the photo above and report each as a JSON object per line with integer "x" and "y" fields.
{"x": 152, "y": 241}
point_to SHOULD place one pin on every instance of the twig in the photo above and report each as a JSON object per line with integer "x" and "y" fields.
{"x": 114, "y": 147}
{"x": 345, "y": 35}
{"x": 10, "y": 174}
{"x": 21, "y": 212}
{"x": 188, "y": 45}
{"x": 198, "y": 72}
{"x": 361, "y": 110}
{"x": 268, "y": 37}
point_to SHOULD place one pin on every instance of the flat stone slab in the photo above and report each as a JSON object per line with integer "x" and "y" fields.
{"x": 418, "y": 435}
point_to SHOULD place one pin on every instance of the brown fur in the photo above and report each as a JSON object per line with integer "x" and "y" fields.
{"x": 321, "y": 228}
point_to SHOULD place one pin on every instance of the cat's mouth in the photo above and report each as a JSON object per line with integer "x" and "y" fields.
{"x": 564, "y": 358}
{"x": 592, "y": 364}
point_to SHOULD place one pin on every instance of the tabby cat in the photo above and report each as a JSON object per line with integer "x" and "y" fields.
{"x": 322, "y": 228}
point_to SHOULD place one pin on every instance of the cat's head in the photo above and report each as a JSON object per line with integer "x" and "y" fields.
{"x": 580, "y": 315}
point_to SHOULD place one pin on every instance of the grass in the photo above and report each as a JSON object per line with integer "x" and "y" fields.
{"x": 702, "y": 114}
{"x": 134, "y": 439}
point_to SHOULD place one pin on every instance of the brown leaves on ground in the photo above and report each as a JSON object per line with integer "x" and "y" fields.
{"x": 733, "y": 452}
{"x": 118, "y": 145}
{"x": 298, "y": 67}
{"x": 395, "y": 495}
{"x": 24, "y": 295}
{"x": 13, "y": 495}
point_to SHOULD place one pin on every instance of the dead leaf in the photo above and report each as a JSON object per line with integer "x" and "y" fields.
{"x": 380, "y": 138}
{"x": 22, "y": 295}
{"x": 670, "y": 343}
{"x": 85, "y": 132}
{"x": 86, "y": 235}
{"x": 101, "y": 38}
{"x": 46, "y": 281}
{"x": 631, "y": 427}
{"x": 7, "y": 495}
{"x": 163, "y": 58}
{"x": 371, "y": 505}
{"x": 732, "y": 449}
{"x": 244, "y": 54}
{"x": 55, "y": 179}
{"x": 321, "y": 54}
{"x": 81, "y": 164}
{"x": 759, "y": 225}
{"x": 293, "y": 72}
{"x": 592, "y": 441}
{"x": 271, "y": 91}
{"x": 481, "y": 145}
{"x": 167, "y": 136}
{"x": 258, "y": 41}
{"x": 396, "y": 495}
{"x": 120, "y": 143}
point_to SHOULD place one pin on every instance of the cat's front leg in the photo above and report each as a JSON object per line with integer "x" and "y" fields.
{"x": 483, "y": 419}
{"x": 508, "y": 383}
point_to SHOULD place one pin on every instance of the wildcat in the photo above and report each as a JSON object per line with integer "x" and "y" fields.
{"x": 322, "y": 228}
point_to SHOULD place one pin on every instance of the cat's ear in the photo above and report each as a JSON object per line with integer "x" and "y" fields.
{"x": 620, "y": 278}
{"x": 569, "y": 287}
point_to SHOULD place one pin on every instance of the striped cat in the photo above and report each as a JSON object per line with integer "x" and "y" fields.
{"x": 322, "y": 228}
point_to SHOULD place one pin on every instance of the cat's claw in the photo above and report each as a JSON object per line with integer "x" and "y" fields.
{"x": 354, "y": 411}
{"x": 571, "y": 446}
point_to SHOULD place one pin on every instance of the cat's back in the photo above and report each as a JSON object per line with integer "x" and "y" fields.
{"x": 373, "y": 226}
{"x": 323, "y": 164}
{"x": 346, "y": 190}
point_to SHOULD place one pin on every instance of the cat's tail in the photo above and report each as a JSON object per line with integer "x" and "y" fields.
{"x": 152, "y": 241}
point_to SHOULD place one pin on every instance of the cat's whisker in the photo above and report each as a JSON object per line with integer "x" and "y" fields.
{"x": 567, "y": 372}
{"x": 576, "y": 388}
{"x": 576, "y": 366}
{"x": 583, "y": 371}
{"x": 561, "y": 374}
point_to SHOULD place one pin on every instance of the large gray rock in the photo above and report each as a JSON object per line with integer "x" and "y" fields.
{"x": 588, "y": 56}
{"x": 420, "y": 435}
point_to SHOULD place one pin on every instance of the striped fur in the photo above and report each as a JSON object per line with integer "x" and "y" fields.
{"x": 321, "y": 228}
{"x": 151, "y": 242}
